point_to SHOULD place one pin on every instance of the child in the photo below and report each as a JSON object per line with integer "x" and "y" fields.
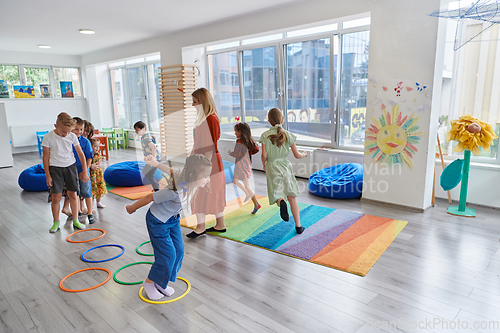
{"x": 243, "y": 150}
{"x": 149, "y": 149}
{"x": 88, "y": 131}
{"x": 60, "y": 167}
{"x": 162, "y": 221}
{"x": 96, "y": 176}
{"x": 85, "y": 191}
{"x": 281, "y": 182}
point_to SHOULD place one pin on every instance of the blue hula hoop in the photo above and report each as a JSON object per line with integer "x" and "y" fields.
{"x": 96, "y": 247}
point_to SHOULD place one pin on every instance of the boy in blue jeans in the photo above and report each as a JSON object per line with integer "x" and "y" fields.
{"x": 60, "y": 167}
{"x": 85, "y": 188}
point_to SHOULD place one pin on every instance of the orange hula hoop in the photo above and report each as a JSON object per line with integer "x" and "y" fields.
{"x": 85, "y": 241}
{"x": 81, "y": 270}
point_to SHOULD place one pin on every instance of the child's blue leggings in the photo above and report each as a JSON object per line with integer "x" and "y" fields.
{"x": 168, "y": 247}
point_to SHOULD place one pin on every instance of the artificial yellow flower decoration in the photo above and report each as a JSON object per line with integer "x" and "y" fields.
{"x": 471, "y": 133}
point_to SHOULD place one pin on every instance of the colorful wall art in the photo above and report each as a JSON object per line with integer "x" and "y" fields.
{"x": 45, "y": 91}
{"x": 392, "y": 139}
{"x": 24, "y": 92}
{"x": 66, "y": 89}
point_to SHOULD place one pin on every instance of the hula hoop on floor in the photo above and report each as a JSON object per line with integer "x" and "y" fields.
{"x": 85, "y": 241}
{"x": 143, "y": 254}
{"x": 96, "y": 247}
{"x": 81, "y": 270}
{"x": 134, "y": 263}
{"x": 170, "y": 300}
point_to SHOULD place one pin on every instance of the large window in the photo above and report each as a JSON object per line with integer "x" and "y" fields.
{"x": 136, "y": 92}
{"x": 47, "y": 78}
{"x": 36, "y": 76}
{"x": 471, "y": 79}
{"x": 260, "y": 86}
{"x": 121, "y": 118}
{"x": 353, "y": 87}
{"x": 301, "y": 72}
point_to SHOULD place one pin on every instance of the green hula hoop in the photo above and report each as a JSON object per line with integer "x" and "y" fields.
{"x": 134, "y": 263}
{"x": 143, "y": 254}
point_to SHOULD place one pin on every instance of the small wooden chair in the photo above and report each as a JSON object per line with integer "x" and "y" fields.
{"x": 103, "y": 146}
{"x": 118, "y": 139}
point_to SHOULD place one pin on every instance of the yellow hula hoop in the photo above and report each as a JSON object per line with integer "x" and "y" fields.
{"x": 170, "y": 300}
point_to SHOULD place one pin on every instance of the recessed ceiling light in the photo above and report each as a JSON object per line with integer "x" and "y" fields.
{"x": 87, "y": 31}
{"x": 44, "y": 46}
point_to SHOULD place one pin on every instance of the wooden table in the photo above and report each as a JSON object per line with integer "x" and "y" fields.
{"x": 104, "y": 141}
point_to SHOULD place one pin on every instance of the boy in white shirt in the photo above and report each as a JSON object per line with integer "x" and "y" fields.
{"x": 60, "y": 167}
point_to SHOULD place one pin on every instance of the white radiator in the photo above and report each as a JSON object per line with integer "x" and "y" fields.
{"x": 23, "y": 136}
{"x": 303, "y": 168}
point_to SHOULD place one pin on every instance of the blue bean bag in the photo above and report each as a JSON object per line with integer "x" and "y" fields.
{"x": 228, "y": 171}
{"x": 341, "y": 181}
{"x": 127, "y": 174}
{"x": 33, "y": 179}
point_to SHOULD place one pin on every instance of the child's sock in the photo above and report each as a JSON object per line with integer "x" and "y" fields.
{"x": 169, "y": 291}
{"x": 284, "y": 211}
{"x": 78, "y": 225}
{"x": 256, "y": 208}
{"x": 151, "y": 291}
{"x": 55, "y": 227}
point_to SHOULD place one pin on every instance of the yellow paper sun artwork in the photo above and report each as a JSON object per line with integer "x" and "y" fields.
{"x": 391, "y": 139}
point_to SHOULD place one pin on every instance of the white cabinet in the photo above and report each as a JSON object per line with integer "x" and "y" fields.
{"x": 5, "y": 148}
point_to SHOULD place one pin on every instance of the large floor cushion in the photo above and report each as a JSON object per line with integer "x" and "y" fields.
{"x": 228, "y": 171}
{"x": 341, "y": 181}
{"x": 126, "y": 174}
{"x": 33, "y": 179}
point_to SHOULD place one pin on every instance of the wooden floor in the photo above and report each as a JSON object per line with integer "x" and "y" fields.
{"x": 440, "y": 270}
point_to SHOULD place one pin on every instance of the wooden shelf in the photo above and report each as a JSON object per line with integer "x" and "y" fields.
{"x": 177, "y": 82}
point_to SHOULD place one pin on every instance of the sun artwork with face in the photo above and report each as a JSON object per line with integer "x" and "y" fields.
{"x": 392, "y": 139}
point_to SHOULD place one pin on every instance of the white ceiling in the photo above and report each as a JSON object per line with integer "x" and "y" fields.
{"x": 26, "y": 24}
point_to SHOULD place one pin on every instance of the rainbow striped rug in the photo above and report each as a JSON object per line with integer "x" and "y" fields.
{"x": 341, "y": 239}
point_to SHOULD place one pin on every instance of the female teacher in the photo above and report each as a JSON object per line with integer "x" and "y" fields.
{"x": 210, "y": 199}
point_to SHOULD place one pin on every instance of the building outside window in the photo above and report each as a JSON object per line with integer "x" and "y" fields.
{"x": 226, "y": 91}
{"x": 47, "y": 76}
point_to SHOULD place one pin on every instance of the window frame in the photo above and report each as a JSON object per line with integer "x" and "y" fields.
{"x": 143, "y": 68}
{"x": 53, "y": 80}
{"x": 53, "y": 88}
{"x": 335, "y": 37}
